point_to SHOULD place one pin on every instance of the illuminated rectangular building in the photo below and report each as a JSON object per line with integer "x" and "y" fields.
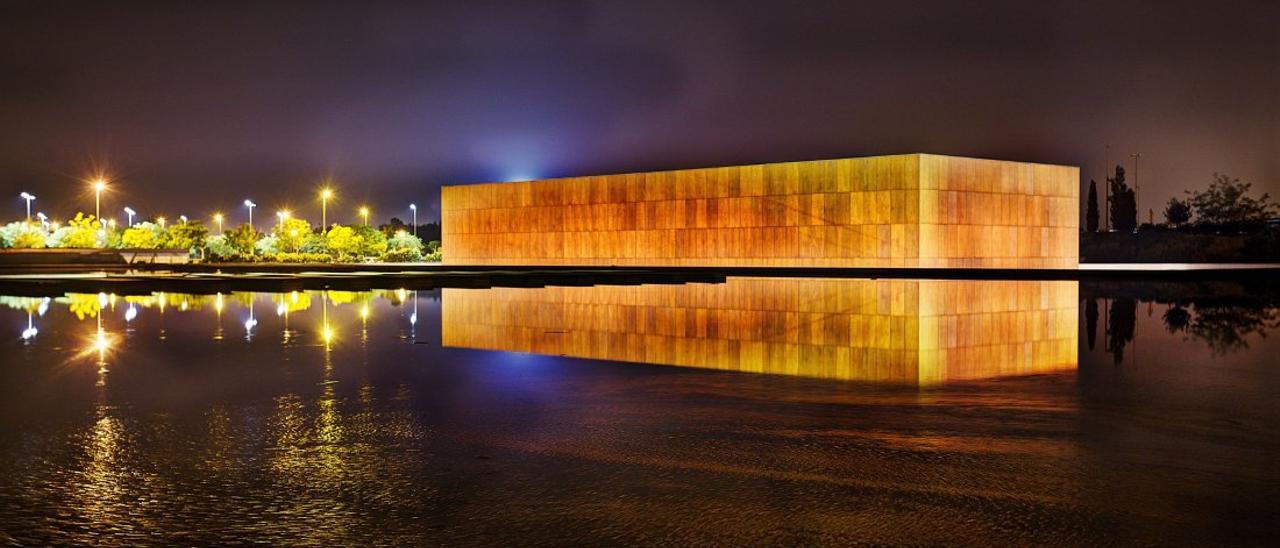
{"x": 909, "y": 332}
{"x": 912, "y": 210}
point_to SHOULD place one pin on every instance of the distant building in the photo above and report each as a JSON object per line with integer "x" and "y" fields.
{"x": 911, "y": 210}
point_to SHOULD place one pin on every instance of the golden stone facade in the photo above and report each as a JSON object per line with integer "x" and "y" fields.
{"x": 891, "y": 331}
{"x": 912, "y": 210}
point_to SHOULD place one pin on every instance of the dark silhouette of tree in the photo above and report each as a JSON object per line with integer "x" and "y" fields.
{"x": 1227, "y": 202}
{"x": 1122, "y": 207}
{"x": 1177, "y": 319}
{"x": 426, "y": 231}
{"x": 1123, "y": 316}
{"x": 1224, "y": 327}
{"x": 1091, "y": 214}
{"x": 1091, "y": 320}
{"x": 1177, "y": 212}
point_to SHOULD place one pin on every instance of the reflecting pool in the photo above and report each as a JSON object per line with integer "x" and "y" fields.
{"x": 748, "y": 411}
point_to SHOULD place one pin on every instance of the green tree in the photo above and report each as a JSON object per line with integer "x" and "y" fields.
{"x": 1122, "y": 206}
{"x": 373, "y": 243}
{"x": 219, "y": 247}
{"x": 243, "y": 239}
{"x": 1227, "y": 202}
{"x": 1091, "y": 213}
{"x": 143, "y": 235}
{"x": 84, "y": 231}
{"x": 267, "y": 245}
{"x": 23, "y": 235}
{"x": 435, "y": 253}
{"x": 343, "y": 242}
{"x": 1177, "y": 212}
{"x": 189, "y": 235}
{"x": 403, "y": 247}
{"x": 291, "y": 234}
{"x": 315, "y": 243}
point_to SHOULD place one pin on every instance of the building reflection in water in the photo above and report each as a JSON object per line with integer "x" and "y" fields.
{"x": 893, "y": 331}
{"x": 919, "y": 332}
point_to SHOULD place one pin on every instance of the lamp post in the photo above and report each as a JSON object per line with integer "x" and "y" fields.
{"x": 99, "y": 185}
{"x": 217, "y": 218}
{"x": 28, "y": 197}
{"x": 1137, "y": 190}
{"x": 44, "y": 220}
{"x": 414, "y": 209}
{"x": 160, "y": 221}
{"x": 1106, "y": 189}
{"x": 282, "y": 214}
{"x": 249, "y": 204}
{"x": 364, "y": 213}
{"x": 324, "y": 207}
{"x": 130, "y": 212}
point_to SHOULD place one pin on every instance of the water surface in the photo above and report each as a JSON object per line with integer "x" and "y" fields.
{"x": 746, "y": 412}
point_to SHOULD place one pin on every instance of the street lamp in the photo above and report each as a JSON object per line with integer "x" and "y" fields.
{"x": 325, "y": 194}
{"x": 282, "y": 214}
{"x": 99, "y": 185}
{"x": 217, "y": 218}
{"x": 249, "y": 204}
{"x": 364, "y": 212}
{"x": 44, "y": 220}
{"x": 1137, "y": 190}
{"x": 28, "y": 197}
{"x": 160, "y": 221}
{"x": 414, "y": 209}
{"x": 182, "y": 219}
{"x": 130, "y": 212}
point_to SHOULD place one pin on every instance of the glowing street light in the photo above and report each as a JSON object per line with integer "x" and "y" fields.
{"x": 325, "y": 195}
{"x": 217, "y": 218}
{"x": 414, "y": 209}
{"x": 130, "y": 212}
{"x": 364, "y": 213}
{"x": 99, "y": 185}
{"x": 28, "y": 197}
{"x": 182, "y": 219}
{"x": 249, "y": 204}
{"x": 44, "y": 219}
{"x": 282, "y": 214}
{"x": 160, "y": 221}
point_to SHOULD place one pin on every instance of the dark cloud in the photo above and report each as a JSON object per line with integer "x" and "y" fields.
{"x": 196, "y": 105}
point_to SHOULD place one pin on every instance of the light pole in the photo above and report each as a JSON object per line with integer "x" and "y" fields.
{"x": 364, "y": 212}
{"x": 414, "y": 209}
{"x": 324, "y": 207}
{"x": 28, "y": 197}
{"x": 1136, "y": 189}
{"x": 217, "y": 218}
{"x": 99, "y": 185}
{"x": 160, "y": 221}
{"x": 282, "y": 214}
{"x": 130, "y": 212}
{"x": 249, "y": 204}
{"x": 44, "y": 220}
{"x": 1106, "y": 189}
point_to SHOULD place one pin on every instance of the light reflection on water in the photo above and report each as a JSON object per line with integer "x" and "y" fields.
{"x": 1030, "y": 412}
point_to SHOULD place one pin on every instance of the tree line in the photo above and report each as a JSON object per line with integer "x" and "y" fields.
{"x": 1227, "y": 204}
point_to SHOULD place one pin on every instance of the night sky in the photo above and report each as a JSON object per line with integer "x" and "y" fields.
{"x": 194, "y": 106}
